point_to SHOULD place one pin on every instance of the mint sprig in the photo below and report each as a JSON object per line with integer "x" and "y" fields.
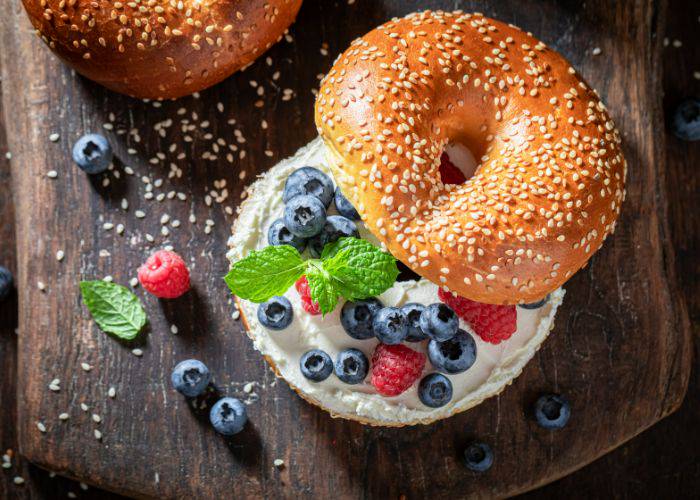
{"x": 350, "y": 267}
{"x": 114, "y": 308}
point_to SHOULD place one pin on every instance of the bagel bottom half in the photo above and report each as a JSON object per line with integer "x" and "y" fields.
{"x": 495, "y": 368}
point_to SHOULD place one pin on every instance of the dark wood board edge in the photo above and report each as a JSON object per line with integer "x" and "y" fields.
{"x": 683, "y": 325}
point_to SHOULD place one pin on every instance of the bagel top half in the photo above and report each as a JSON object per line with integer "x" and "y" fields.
{"x": 550, "y": 180}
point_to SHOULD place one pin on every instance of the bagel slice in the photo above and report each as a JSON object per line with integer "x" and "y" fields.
{"x": 496, "y": 365}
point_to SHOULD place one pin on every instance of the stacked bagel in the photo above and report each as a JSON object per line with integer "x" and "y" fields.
{"x": 545, "y": 194}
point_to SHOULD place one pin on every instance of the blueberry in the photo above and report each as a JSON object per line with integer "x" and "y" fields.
{"x": 439, "y": 322}
{"x": 309, "y": 181}
{"x": 336, "y": 226}
{"x": 552, "y": 411}
{"x": 228, "y": 416}
{"x": 406, "y": 273}
{"x": 92, "y": 153}
{"x": 305, "y": 216}
{"x": 435, "y": 390}
{"x": 316, "y": 365}
{"x": 478, "y": 457}
{"x": 413, "y": 312}
{"x": 5, "y": 282}
{"x": 535, "y": 305}
{"x": 356, "y": 317}
{"x": 190, "y": 377}
{"x": 276, "y": 313}
{"x": 344, "y": 206}
{"x": 351, "y": 366}
{"x": 452, "y": 356}
{"x": 390, "y": 325}
{"x": 278, "y": 234}
{"x": 686, "y": 120}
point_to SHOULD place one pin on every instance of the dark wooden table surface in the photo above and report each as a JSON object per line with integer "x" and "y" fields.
{"x": 661, "y": 462}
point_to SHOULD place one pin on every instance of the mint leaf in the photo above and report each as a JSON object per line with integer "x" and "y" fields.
{"x": 265, "y": 273}
{"x": 114, "y": 308}
{"x": 322, "y": 287}
{"x": 359, "y": 269}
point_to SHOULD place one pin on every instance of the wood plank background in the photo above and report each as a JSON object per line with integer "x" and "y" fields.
{"x": 599, "y": 343}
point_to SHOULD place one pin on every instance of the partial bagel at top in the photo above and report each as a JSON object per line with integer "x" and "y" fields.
{"x": 160, "y": 49}
{"x": 551, "y": 173}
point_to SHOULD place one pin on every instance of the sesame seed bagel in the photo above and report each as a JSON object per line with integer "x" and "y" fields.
{"x": 160, "y": 48}
{"x": 550, "y": 180}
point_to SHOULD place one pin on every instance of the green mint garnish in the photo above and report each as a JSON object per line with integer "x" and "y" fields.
{"x": 114, "y": 308}
{"x": 350, "y": 267}
{"x": 265, "y": 273}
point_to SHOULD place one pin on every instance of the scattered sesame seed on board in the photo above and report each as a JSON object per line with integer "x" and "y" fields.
{"x": 63, "y": 416}
{"x": 112, "y": 392}
{"x": 41, "y": 426}
{"x": 137, "y": 352}
{"x": 279, "y": 463}
{"x": 18, "y": 480}
{"x": 85, "y": 366}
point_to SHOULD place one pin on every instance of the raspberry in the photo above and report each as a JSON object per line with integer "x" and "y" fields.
{"x": 492, "y": 323}
{"x": 302, "y": 286}
{"x": 165, "y": 275}
{"x": 449, "y": 173}
{"x": 395, "y": 368}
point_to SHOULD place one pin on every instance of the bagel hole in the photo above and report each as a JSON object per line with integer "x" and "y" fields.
{"x": 457, "y": 164}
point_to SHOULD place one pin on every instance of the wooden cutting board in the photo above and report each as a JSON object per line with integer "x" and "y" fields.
{"x": 620, "y": 350}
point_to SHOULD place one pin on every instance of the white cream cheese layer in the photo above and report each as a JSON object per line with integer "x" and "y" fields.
{"x": 495, "y": 367}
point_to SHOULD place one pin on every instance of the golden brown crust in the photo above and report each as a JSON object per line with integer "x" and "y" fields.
{"x": 551, "y": 176}
{"x": 160, "y": 48}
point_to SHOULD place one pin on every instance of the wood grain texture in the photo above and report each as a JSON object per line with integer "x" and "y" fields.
{"x": 623, "y": 328}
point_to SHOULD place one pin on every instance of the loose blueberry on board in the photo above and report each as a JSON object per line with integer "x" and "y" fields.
{"x": 336, "y": 227}
{"x": 478, "y": 457}
{"x": 344, "y": 207}
{"x": 308, "y": 181}
{"x": 686, "y": 120}
{"x": 552, "y": 411}
{"x": 5, "y": 282}
{"x": 276, "y": 313}
{"x": 452, "y": 356}
{"x": 190, "y": 377}
{"x": 357, "y": 317}
{"x": 305, "y": 216}
{"x": 435, "y": 390}
{"x": 228, "y": 416}
{"x": 390, "y": 325}
{"x": 351, "y": 366}
{"x": 413, "y": 312}
{"x": 439, "y": 322}
{"x": 535, "y": 305}
{"x": 316, "y": 365}
{"x": 278, "y": 234}
{"x": 92, "y": 153}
